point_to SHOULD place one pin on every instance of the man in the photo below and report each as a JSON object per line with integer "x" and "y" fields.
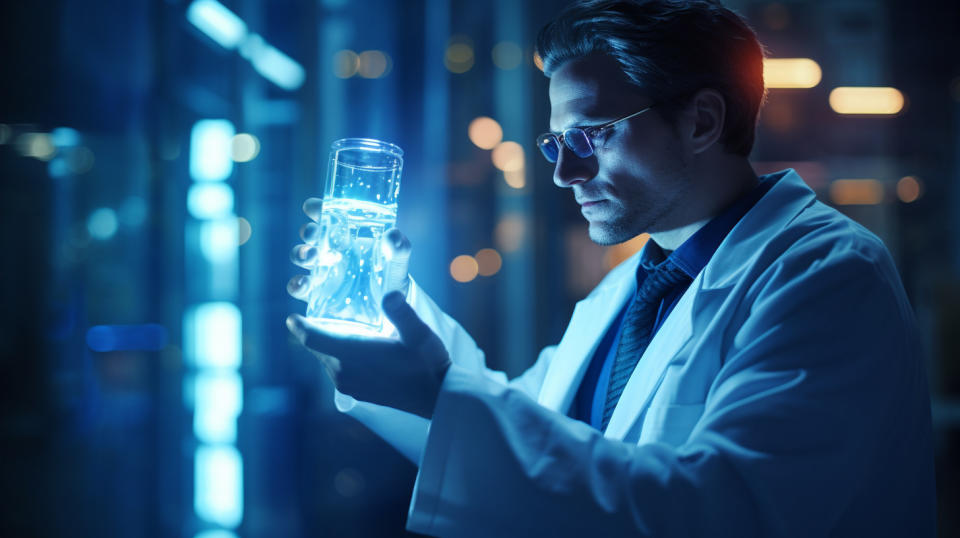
{"x": 753, "y": 371}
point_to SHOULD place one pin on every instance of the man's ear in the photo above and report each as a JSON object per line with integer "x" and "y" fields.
{"x": 706, "y": 112}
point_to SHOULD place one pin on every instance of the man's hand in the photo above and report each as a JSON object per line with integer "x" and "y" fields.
{"x": 393, "y": 244}
{"x": 405, "y": 374}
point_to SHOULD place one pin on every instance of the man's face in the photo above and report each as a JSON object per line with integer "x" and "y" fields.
{"x": 637, "y": 178}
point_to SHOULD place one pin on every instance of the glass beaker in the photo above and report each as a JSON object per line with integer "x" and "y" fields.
{"x": 359, "y": 205}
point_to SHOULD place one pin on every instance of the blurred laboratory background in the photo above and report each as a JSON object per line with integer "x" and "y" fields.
{"x": 154, "y": 158}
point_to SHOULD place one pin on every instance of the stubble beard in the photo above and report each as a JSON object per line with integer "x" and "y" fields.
{"x": 619, "y": 230}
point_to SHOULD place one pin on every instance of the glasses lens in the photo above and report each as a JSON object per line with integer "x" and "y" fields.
{"x": 578, "y": 142}
{"x": 549, "y": 146}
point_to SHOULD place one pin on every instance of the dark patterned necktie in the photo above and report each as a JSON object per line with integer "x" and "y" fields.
{"x": 637, "y": 329}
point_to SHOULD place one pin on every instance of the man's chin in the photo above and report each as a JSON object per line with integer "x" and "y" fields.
{"x": 605, "y": 234}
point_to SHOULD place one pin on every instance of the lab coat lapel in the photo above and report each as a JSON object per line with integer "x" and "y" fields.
{"x": 591, "y": 319}
{"x": 786, "y": 198}
{"x": 643, "y": 383}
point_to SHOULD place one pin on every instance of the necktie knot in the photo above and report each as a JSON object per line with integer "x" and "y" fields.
{"x": 660, "y": 281}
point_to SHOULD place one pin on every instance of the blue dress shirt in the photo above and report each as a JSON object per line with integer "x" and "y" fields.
{"x": 691, "y": 257}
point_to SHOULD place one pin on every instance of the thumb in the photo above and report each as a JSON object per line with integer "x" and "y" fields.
{"x": 413, "y": 331}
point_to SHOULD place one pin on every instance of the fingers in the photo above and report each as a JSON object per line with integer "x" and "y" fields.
{"x": 396, "y": 250}
{"x": 413, "y": 331}
{"x": 299, "y": 287}
{"x": 312, "y": 208}
{"x": 396, "y": 245}
{"x": 310, "y": 233}
{"x": 304, "y": 255}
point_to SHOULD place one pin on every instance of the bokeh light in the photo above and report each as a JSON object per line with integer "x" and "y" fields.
{"x": 508, "y": 156}
{"x": 244, "y": 147}
{"x": 484, "y": 132}
{"x": 210, "y": 200}
{"x": 856, "y": 191}
{"x": 516, "y": 179}
{"x": 464, "y": 268}
{"x": 507, "y": 55}
{"x": 373, "y": 64}
{"x": 80, "y": 160}
{"x": 244, "y": 230}
{"x": 488, "y": 261}
{"x": 102, "y": 224}
{"x": 867, "y": 101}
{"x": 791, "y": 73}
{"x": 459, "y": 56}
{"x": 909, "y": 189}
{"x": 346, "y": 63}
{"x": 510, "y": 232}
{"x": 37, "y": 145}
{"x": 6, "y": 133}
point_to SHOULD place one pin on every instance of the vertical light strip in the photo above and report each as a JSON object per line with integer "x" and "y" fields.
{"x": 212, "y": 328}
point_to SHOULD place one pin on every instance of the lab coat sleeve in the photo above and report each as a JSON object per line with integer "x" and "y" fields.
{"x": 820, "y": 377}
{"x": 407, "y": 432}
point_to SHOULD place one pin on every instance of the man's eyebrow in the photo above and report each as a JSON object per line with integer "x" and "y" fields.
{"x": 585, "y": 122}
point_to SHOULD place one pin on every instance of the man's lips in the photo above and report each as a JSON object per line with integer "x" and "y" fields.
{"x": 588, "y": 203}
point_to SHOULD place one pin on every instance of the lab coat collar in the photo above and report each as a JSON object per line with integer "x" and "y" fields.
{"x": 593, "y": 315}
{"x": 787, "y": 197}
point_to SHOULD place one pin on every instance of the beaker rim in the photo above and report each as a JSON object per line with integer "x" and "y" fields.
{"x": 366, "y": 143}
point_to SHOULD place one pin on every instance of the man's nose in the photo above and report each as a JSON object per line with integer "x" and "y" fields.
{"x": 570, "y": 169}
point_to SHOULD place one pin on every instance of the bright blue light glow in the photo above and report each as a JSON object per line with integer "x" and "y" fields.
{"x": 211, "y": 335}
{"x": 219, "y": 240}
{"x": 64, "y": 137}
{"x": 218, "y": 22}
{"x": 216, "y": 533}
{"x": 146, "y": 337}
{"x": 58, "y": 167}
{"x": 274, "y": 65}
{"x": 218, "y": 485}
{"x": 210, "y": 200}
{"x": 250, "y": 45}
{"x": 210, "y": 146}
{"x": 217, "y": 401}
{"x": 102, "y": 224}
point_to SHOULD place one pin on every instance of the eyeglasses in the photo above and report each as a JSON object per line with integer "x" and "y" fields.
{"x": 580, "y": 141}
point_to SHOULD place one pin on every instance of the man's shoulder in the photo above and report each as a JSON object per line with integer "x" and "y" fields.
{"x": 822, "y": 242}
{"x": 822, "y": 231}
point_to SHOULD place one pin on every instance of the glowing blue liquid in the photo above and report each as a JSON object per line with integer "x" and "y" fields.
{"x": 349, "y": 275}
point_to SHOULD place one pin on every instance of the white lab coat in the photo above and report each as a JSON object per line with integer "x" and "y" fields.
{"x": 784, "y": 396}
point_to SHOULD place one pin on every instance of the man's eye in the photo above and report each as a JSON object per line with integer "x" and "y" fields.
{"x": 598, "y": 135}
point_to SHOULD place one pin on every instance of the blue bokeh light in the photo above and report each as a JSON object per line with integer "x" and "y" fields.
{"x": 210, "y": 200}
{"x": 210, "y": 150}
{"x": 211, "y": 335}
{"x": 218, "y": 485}
{"x": 102, "y": 224}
{"x": 217, "y": 401}
{"x": 217, "y": 22}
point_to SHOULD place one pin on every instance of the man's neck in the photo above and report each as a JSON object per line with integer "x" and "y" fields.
{"x": 671, "y": 239}
{"x": 717, "y": 194}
